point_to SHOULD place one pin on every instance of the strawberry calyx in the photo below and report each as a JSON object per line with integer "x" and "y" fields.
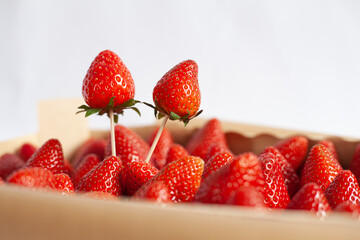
{"x": 119, "y": 109}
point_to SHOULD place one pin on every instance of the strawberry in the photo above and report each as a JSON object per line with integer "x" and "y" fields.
{"x": 156, "y": 191}
{"x": 129, "y": 146}
{"x": 216, "y": 162}
{"x": 215, "y": 149}
{"x": 247, "y": 196}
{"x": 158, "y": 158}
{"x": 105, "y": 177}
{"x": 50, "y": 156}
{"x": 26, "y": 151}
{"x": 177, "y": 93}
{"x": 137, "y": 173}
{"x": 312, "y": 198}
{"x": 88, "y": 163}
{"x": 33, "y": 177}
{"x": 181, "y": 177}
{"x": 68, "y": 168}
{"x": 107, "y": 78}
{"x": 176, "y": 152}
{"x": 244, "y": 170}
{"x": 205, "y": 137}
{"x": 9, "y": 163}
{"x": 344, "y": 188}
{"x": 95, "y": 146}
{"x": 331, "y": 147}
{"x": 294, "y": 150}
{"x": 1, "y": 181}
{"x": 64, "y": 184}
{"x": 350, "y": 207}
{"x": 288, "y": 173}
{"x": 355, "y": 163}
{"x": 320, "y": 167}
{"x": 275, "y": 193}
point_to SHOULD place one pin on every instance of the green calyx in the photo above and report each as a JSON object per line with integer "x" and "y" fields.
{"x": 119, "y": 109}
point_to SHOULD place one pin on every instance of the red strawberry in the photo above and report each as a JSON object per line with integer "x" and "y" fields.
{"x": 50, "y": 156}
{"x": 350, "y": 207}
{"x": 310, "y": 197}
{"x": 95, "y": 146}
{"x": 26, "y": 151}
{"x": 355, "y": 163}
{"x": 205, "y": 137}
{"x": 33, "y": 177}
{"x": 344, "y": 187}
{"x": 156, "y": 191}
{"x": 247, "y": 196}
{"x": 107, "y": 77}
{"x": 178, "y": 91}
{"x": 1, "y": 181}
{"x": 215, "y": 149}
{"x": 9, "y": 163}
{"x": 137, "y": 173}
{"x": 158, "y": 158}
{"x": 176, "y": 152}
{"x": 244, "y": 170}
{"x": 181, "y": 177}
{"x": 294, "y": 150}
{"x": 331, "y": 147}
{"x": 69, "y": 170}
{"x": 63, "y": 183}
{"x": 129, "y": 146}
{"x": 275, "y": 193}
{"x": 105, "y": 177}
{"x": 216, "y": 162}
{"x": 288, "y": 173}
{"x": 88, "y": 163}
{"x": 320, "y": 167}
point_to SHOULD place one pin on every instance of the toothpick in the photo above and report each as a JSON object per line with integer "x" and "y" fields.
{"x": 112, "y": 133}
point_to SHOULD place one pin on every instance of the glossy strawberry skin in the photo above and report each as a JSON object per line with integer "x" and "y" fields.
{"x": 105, "y": 177}
{"x": 216, "y": 162}
{"x": 107, "y": 77}
{"x": 247, "y": 196}
{"x": 158, "y": 159}
{"x": 33, "y": 177}
{"x": 91, "y": 146}
{"x": 88, "y": 163}
{"x": 64, "y": 184}
{"x": 178, "y": 90}
{"x": 294, "y": 150}
{"x": 9, "y": 163}
{"x": 350, "y": 207}
{"x": 215, "y": 149}
{"x": 176, "y": 152}
{"x": 355, "y": 163}
{"x": 205, "y": 137}
{"x": 331, "y": 147}
{"x": 344, "y": 188}
{"x": 156, "y": 191}
{"x": 26, "y": 151}
{"x": 275, "y": 193}
{"x": 50, "y": 156}
{"x": 320, "y": 167}
{"x": 312, "y": 198}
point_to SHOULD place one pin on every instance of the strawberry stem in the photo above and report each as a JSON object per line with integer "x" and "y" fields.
{"x": 157, "y": 137}
{"x": 112, "y": 133}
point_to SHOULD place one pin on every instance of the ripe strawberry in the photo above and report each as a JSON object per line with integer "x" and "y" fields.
{"x": 320, "y": 167}
{"x": 50, "y": 156}
{"x": 181, "y": 177}
{"x": 244, "y": 170}
{"x": 129, "y": 146}
{"x": 247, "y": 196}
{"x": 64, "y": 184}
{"x": 105, "y": 177}
{"x": 69, "y": 170}
{"x": 95, "y": 146}
{"x": 294, "y": 150}
{"x": 88, "y": 163}
{"x": 288, "y": 173}
{"x": 9, "y": 163}
{"x": 350, "y": 207}
{"x": 1, "y": 181}
{"x": 136, "y": 174}
{"x": 331, "y": 147}
{"x": 33, "y": 177}
{"x": 310, "y": 197}
{"x": 107, "y": 77}
{"x": 344, "y": 187}
{"x": 177, "y": 92}
{"x": 156, "y": 191}
{"x": 216, "y": 162}
{"x": 355, "y": 163}
{"x": 158, "y": 158}
{"x": 176, "y": 152}
{"x": 205, "y": 137}
{"x": 275, "y": 193}
{"x": 26, "y": 151}
{"x": 215, "y": 149}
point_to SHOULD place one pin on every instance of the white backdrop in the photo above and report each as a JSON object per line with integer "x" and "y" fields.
{"x": 292, "y": 64}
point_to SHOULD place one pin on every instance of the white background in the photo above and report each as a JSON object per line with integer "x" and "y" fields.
{"x": 292, "y": 64}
